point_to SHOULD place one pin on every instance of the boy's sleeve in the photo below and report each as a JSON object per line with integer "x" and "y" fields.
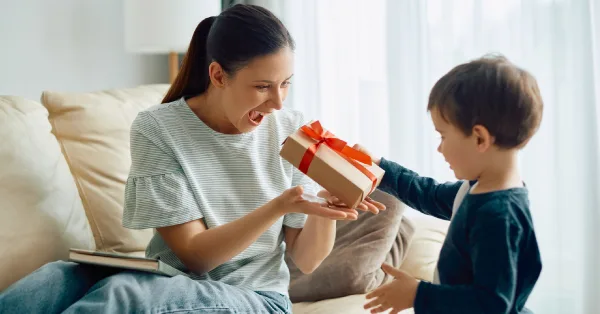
{"x": 495, "y": 240}
{"x": 421, "y": 193}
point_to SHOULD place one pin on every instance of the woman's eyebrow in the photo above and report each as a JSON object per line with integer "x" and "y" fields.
{"x": 271, "y": 82}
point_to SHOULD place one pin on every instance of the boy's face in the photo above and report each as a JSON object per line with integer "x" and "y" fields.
{"x": 462, "y": 152}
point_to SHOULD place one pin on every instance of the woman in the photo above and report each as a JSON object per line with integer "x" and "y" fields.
{"x": 207, "y": 176}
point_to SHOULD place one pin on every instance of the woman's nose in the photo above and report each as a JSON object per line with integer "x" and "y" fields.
{"x": 276, "y": 99}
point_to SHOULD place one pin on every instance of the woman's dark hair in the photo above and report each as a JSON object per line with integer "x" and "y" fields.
{"x": 233, "y": 38}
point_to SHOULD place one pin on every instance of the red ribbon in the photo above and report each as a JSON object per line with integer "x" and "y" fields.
{"x": 317, "y": 133}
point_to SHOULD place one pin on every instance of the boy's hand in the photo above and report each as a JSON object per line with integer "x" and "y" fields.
{"x": 397, "y": 295}
{"x": 364, "y": 150}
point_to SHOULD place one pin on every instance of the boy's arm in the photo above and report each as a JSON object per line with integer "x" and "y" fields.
{"x": 421, "y": 193}
{"x": 494, "y": 252}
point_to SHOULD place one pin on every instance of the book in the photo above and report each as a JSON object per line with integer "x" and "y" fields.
{"x": 123, "y": 261}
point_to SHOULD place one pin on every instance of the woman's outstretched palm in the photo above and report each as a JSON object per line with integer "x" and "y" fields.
{"x": 368, "y": 204}
{"x": 292, "y": 201}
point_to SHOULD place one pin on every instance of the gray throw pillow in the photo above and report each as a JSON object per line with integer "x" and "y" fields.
{"x": 361, "y": 246}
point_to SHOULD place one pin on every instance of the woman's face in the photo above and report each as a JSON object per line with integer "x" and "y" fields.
{"x": 256, "y": 90}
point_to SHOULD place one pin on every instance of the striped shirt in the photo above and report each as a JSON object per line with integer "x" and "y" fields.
{"x": 183, "y": 170}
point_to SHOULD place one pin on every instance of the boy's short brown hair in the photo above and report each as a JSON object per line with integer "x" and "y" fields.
{"x": 494, "y": 93}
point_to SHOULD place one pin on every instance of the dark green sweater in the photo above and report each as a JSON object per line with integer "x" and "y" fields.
{"x": 489, "y": 262}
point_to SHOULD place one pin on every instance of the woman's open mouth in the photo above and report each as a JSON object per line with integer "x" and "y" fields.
{"x": 255, "y": 117}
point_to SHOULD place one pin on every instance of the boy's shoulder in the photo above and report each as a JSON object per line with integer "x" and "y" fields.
{"x": 510, "y": 206}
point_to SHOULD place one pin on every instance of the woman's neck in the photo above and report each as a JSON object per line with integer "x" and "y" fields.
{"x": 207, "y": 106}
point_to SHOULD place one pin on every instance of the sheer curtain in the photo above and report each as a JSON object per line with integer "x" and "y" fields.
{"x": 364, "y": 68}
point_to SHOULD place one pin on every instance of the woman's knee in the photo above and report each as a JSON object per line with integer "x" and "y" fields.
{"x": 141, "y": 292}
{"x": 60, "y": 268}
{"x": 138, "y": 285}
{"x": 56, "y": 285}
{"x": 137, "y": 290}
{"x": 74, "y": 273}
{"x": 129, "y": 283}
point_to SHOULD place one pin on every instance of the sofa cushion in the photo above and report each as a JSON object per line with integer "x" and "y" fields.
{"x": 361, "y": 246}
{"x": 352, "y": 304}
{"x": 424, "y": 250}
{"x": 41, "y": 214}
{"x": 420, "y": 261}
{"x": 93, "y": 130}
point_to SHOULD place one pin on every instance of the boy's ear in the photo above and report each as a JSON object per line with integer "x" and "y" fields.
{"x": 216, "y": 74}
{"x": 483, "y": 137}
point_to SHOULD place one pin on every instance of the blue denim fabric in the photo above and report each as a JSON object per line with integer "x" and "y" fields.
{"x": 63, "y": 287}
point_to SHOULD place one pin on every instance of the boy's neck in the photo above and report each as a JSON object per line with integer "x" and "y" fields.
{"x": 501, "y": 173}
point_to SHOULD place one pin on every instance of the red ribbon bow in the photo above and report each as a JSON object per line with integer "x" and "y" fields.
{"x": 316, "y": 132}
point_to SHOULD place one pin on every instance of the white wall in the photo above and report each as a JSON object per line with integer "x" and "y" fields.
{"x": 69, "y": 45}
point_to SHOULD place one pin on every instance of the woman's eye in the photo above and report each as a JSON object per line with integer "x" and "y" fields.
{"x": 262, "y": 87}
{"x": 286, "y": 84}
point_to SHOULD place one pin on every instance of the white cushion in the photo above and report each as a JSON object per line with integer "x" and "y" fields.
{"x": 424, "y": 249}
{"x": 421, "y": 260}
{"x": 352, "y": 304}
{"x": 41, "y": 214}
{"x": 93, "y": 129}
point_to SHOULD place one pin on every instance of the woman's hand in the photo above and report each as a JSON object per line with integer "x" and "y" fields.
{"x": 291, "y": 201}
{"x": 368, "y": 204}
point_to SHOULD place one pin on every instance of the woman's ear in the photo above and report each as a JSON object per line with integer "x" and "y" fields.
{"x": 216, "y": 74}
{"x": 483, "y": 137}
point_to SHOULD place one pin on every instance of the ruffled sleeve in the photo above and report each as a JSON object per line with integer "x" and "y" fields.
{"x": 157, "y": 193}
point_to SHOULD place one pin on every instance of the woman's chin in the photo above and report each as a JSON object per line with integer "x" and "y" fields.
{"x": 249, "y": 129}
{"x": 245, "y": 127}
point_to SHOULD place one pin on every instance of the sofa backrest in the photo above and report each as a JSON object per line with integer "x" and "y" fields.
{"x": 41, "y": 214}
{"x": 424, "y": 250}
{"x": 93, "y": 131}
{"x": 63, "y": 168}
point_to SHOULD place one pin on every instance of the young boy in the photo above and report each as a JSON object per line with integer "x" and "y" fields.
{"x": 486, "y": 111}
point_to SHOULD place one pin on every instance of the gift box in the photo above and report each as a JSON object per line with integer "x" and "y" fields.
{"x": 345, "y": 172}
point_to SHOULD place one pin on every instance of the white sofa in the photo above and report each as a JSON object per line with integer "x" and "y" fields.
{"x": 63, "y": 165}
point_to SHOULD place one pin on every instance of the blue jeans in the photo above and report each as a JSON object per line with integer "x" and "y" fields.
{"x": 73, "y": 288}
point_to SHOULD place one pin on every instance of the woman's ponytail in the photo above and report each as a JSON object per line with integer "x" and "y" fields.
{"x": 233, "y": 39}
{"x": 192, "y": 78}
